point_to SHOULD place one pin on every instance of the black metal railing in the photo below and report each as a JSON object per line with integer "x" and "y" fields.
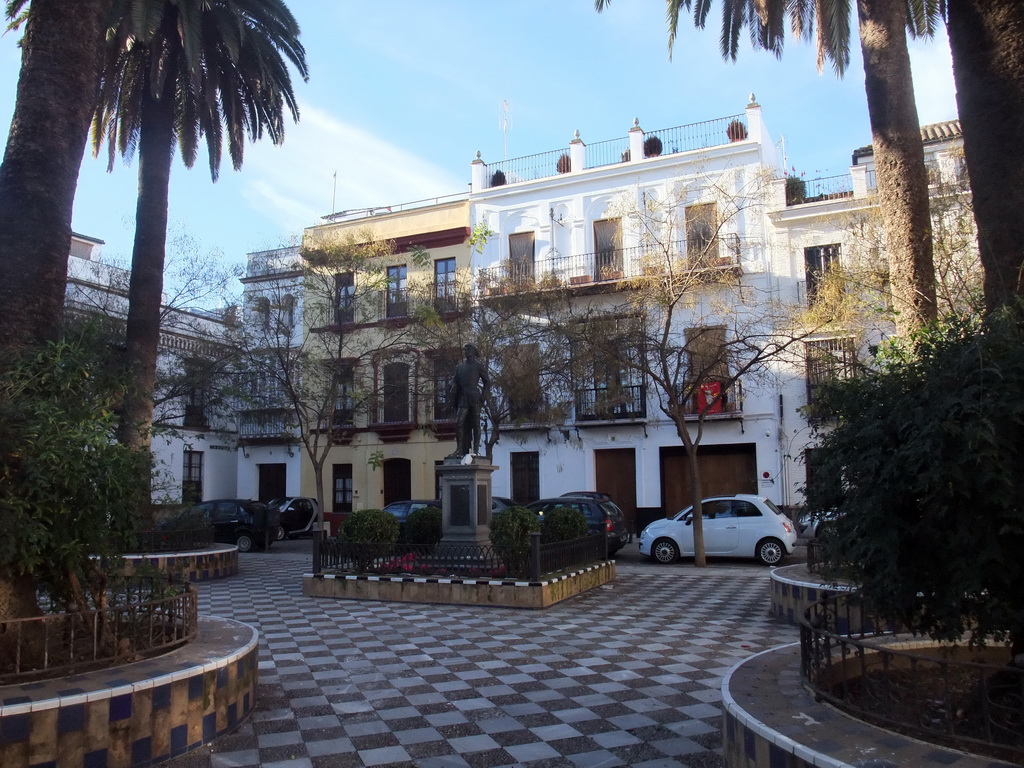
{"x": 959, "y": 696}
{"x": 171, "y": 540}
{"x": 141, "y": 618}
{"x": 608, "y": 265}
{"x": 828, "y": 188}
{"x": 682, "y": 138}
{"x": 486, "y": 561}
{"x": 602, "y": 403}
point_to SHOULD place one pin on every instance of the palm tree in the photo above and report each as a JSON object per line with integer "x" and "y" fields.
{"x": 895, "y": 131}
{"x": 986, "y": 38}
{"x": 62, "y": 51}
{"x": 176, "y": 71}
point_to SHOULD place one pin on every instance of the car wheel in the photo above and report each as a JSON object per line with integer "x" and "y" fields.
{"x": 665, "y": 551}
{"x": 280, "y": 533}
{"x": 769, "y": 551}
{"x": 244, "y": 542}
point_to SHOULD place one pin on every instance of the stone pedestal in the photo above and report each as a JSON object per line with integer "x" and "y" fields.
{"x": 466, "y": 500}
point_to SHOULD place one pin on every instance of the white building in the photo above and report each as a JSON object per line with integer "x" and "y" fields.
{"x": 194, "y": 442}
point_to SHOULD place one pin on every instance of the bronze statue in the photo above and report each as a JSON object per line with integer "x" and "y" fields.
{"x": 466, "y": 393}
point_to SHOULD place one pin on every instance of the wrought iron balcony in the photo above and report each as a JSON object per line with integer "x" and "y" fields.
{"x": 605, "y": 266}
{"x": 611, "y": 404}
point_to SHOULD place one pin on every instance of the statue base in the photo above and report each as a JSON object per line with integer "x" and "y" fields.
{"x": 466, "y": 499}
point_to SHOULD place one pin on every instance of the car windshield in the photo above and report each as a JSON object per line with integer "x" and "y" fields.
{"x": 276, "y": 503}
{"x": 771, "y": 505}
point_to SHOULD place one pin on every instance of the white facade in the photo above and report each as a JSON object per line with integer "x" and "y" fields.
{"x": 562, "y": 199}
{"x": 206, "y": 452}
{"x": 269, "y": 457}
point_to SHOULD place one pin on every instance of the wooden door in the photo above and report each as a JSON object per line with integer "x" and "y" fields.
{"x": 272, "y": 481}
{"x": 397, "y": 480}
{"x": 615, "y": 469}
{"x": 725, "y": 469}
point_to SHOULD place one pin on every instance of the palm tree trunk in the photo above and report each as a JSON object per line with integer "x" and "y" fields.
{"x": 145, "y": 290}
{"x": 986, "y": 38}
{"x": 899, "y": 160}
{"x": 61, "y": 56}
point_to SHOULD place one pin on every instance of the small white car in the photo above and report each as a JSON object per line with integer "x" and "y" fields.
{"x": 742, "y": 525}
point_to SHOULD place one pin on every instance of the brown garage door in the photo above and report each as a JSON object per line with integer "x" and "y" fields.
{"x": 724, "y": 469}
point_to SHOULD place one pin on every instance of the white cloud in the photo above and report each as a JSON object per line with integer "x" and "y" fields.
{"x": 293, "y": 185}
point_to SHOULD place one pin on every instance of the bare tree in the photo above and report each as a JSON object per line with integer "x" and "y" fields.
{"x": 690, "y": 327}
{"x": 527, "y": 373}
{"x": 307, "y": 344}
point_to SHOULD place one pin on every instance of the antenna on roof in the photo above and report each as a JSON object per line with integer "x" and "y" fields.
{"x": 505, "y": 122}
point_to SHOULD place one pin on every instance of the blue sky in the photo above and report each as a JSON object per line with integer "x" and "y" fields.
{"x": 403, "y": 94}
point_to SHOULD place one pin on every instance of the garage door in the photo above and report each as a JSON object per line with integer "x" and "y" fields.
{"x": 724, "y": 469}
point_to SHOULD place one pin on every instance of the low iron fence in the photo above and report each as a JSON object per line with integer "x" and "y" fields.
{"x": 171, "y": 540}
{"x": 141, "y": 617}
{"x": 531, "y": 561}
{"x": 962, "y": 697}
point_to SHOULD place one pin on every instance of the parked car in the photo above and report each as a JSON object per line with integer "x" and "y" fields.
{"x": 742, "y": 525}
{"x": 247, "y": 524}
{"x": 499, "y": 503}
{"x": 298, "y": 516}
{"x": 590, "y": 495}
{"x": 811, "y": 526}
{"x": 402, "y": 509}
{"x": 602, "y": 516}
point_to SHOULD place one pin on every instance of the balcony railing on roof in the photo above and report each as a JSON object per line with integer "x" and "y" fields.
{"x": 682, "y": 138}
{"x": 826, "y": 188}
{"x": 603, "y": 266}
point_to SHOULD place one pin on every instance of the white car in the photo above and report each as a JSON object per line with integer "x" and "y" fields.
{"x": 742, "y": 525}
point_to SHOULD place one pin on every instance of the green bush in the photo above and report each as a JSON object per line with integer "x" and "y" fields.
{"x": 374, "y": 525}
{"x": 423, "y": 526}
{"x": 510, "y": 536}
{"x": 564, "y": 524}
{"x": 924, "y": 461}
{"x": 68, "y": 490}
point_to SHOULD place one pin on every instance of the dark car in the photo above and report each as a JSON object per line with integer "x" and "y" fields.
{"x": 402, "y": 509}
{"x": 590, "y": 495}
{"x": 245, "y": 523}
{"x": 499, "y": 503}
{"x": 298, "y": 516}
{"x": 602, "y": 516}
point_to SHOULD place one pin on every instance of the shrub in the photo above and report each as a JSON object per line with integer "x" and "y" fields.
{"x": 374, "y": 525}
{"x": 510, "y": 535}
{"x": 564, "y": 524}
{"x": 924, "y": 459}
{"x": 68, "y": 489}
{"x": 423, "y": 526}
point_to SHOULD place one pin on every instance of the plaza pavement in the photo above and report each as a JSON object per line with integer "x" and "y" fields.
{"x": 628, "y": 674}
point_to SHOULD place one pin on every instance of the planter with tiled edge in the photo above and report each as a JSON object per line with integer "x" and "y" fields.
{"x": 769, "y": 720}
{"x": 217, "y": 562}
{"x": 134, "y": 715}
{"x": 794, "y": 589}
{"x": 460, "y": 591}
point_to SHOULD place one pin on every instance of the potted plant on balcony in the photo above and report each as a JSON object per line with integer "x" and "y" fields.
{"x": 796, "y": 189}
{"x": 498, "y": 178}
{"x": 564, "y": 164}
{"x": 736, "y": 131}
{"x": 652, "y": 146}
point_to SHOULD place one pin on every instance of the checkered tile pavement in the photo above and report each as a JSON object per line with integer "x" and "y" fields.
{"x": 627, "y": 674}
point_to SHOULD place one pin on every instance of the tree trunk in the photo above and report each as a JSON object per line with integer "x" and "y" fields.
{"x": 61, "y": 57}
{"x": 700, "y": 559}
{"x": 899, "y": 160}
{"x": 986, "y": 38}
{"x": 145, "y": 291}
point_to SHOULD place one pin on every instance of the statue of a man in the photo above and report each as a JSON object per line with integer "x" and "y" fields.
{"x": 466, "y": 393}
